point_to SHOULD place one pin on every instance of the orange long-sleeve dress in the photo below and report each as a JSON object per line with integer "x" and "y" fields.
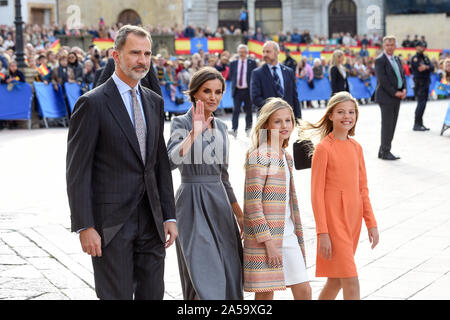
{"x": 340, "y": 201}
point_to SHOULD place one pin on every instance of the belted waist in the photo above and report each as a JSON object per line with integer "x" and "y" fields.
{"x": 201, "y": 179}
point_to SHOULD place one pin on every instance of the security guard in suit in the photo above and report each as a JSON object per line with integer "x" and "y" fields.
{"x": 421, "y": 68}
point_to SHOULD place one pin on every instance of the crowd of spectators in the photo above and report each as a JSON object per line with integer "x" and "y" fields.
{"x": 73, "y": 64}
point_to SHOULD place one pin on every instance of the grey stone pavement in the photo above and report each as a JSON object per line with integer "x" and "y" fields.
{"x": 41, "y": 259}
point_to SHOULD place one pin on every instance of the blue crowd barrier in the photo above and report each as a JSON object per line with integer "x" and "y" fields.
{"x": 172, "y": 107}
{"x": 358, "y": 88}
{"x": 321, "y": 91}
{"x": 16, "y": 104}
{"x": 51, "y": 103}
{"x": 434, "y": 78}
{"x": 409, "y": 87}
{"x": 446, "y": 124}
{"x": 227, "y": 99}
{"x": 73, "y": 92}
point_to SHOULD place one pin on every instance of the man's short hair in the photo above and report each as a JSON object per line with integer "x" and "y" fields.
{"x": 389, "y": 38}
{"x": 274, "y": 44}
{"x": 123, "y": 33}
{"x": 242, "y": 46}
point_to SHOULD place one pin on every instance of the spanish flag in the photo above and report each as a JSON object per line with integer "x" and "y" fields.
{"x": 183, "y": 46}
{"x": 56, "y": 45}
{"x": 103, "y": 44}
{"x": 326, "y": 55}
{"x": 255, "y": 48}
{"x": 43, "y": 70}
{"x": 215, "y": 45}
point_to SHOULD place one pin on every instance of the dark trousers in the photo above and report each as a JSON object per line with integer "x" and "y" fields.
{"x": 133, "y": 262}
{"x": 389, "y": 116}
{"x": 421, "y": 89}
{"x": 242, "y": 95}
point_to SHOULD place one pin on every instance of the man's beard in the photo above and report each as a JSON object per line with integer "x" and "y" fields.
{"x": 133, "y": 74}
{"x": 268, "y": 60}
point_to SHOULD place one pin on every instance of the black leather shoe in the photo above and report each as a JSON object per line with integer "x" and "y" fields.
{"x": 420, "y": 128}
{"x": 388, "y": 156}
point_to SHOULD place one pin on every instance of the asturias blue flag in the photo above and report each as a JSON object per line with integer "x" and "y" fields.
{"x": 199, "y": 43}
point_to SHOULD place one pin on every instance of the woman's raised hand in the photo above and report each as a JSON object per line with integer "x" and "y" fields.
{"x": 199, "y": 124}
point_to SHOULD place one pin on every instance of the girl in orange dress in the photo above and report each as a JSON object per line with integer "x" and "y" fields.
{"x": 340, "y": 198}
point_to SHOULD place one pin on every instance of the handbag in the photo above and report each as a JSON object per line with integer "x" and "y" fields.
{"x": 302, "y": 154}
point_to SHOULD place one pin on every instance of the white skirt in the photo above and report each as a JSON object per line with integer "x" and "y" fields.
{"x": 293, "y": 263}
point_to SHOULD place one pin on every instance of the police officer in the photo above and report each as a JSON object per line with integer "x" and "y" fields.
{"x": 421, "y": 68}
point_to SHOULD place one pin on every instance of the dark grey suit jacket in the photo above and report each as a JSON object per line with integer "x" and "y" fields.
{"x": 387, "y": 80}
{"x": 106, "y": 176}
{"x": 262, "y": 87}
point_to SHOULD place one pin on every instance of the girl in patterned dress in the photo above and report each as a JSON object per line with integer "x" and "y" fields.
{"x": 274, "y": 253}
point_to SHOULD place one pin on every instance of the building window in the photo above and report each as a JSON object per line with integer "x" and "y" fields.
{"x": 229, "y": 12}
{"x": 3, "y": 3}
{"x": 342, "y": 17}
{"x": 268, "y": 16}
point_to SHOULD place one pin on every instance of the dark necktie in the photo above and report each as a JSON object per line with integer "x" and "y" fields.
{"x": 139, "y": 124}
{"x": 278, "y": 88}
{"x": 241, "y": 75}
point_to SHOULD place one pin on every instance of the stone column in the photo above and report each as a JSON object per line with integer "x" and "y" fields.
{"x": 286, "y": 12}
{"x": 251, "y": 14}
{"x": 213, "y": 14}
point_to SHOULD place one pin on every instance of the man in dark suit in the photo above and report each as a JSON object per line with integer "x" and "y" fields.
{"x": 391, "y": 89}
{"x": 119, "y": 181}
{"x": 149, "y": 81}
{"x": 274, "y": 80}
{"x": 240, "y": 73}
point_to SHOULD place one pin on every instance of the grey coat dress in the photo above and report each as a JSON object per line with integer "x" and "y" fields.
{"x": 209, "y": 248}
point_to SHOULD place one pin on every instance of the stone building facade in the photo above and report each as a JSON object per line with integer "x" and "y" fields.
{"x": 321, "y": 17}
{"x": 154, "y": 12}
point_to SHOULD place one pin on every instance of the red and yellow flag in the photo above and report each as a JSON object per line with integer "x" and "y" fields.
{"x": 55, "y": 46}
{"x": 103, "y": 44}
{"x": 2, "y": 76}
{"x": 215, "y": 45}
{"x": 43, "y": 70}
{"x": 182, "y": 46}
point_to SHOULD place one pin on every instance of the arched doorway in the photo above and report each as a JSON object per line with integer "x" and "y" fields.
{"x": 129, "y": 16}
{"x": 341, "y": 17}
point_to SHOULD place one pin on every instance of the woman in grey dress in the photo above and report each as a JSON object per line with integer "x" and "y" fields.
{"x": 209, "y": 247}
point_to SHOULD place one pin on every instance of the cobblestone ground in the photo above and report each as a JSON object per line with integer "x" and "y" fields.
{"x": 41, "y": 259}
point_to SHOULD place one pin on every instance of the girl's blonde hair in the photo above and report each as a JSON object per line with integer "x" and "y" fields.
{"x": 324, "y": 126}
{"x": 260, "y": 133}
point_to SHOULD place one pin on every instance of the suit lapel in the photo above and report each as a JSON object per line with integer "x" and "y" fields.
{"x": 390, "y": 64}
{"x": 285, "y": 76}
{"x": 119, "y": 112}
{"x": 151, "y": 119}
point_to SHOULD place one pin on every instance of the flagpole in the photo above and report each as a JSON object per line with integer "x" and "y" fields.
{"x": 20, "y": 55}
